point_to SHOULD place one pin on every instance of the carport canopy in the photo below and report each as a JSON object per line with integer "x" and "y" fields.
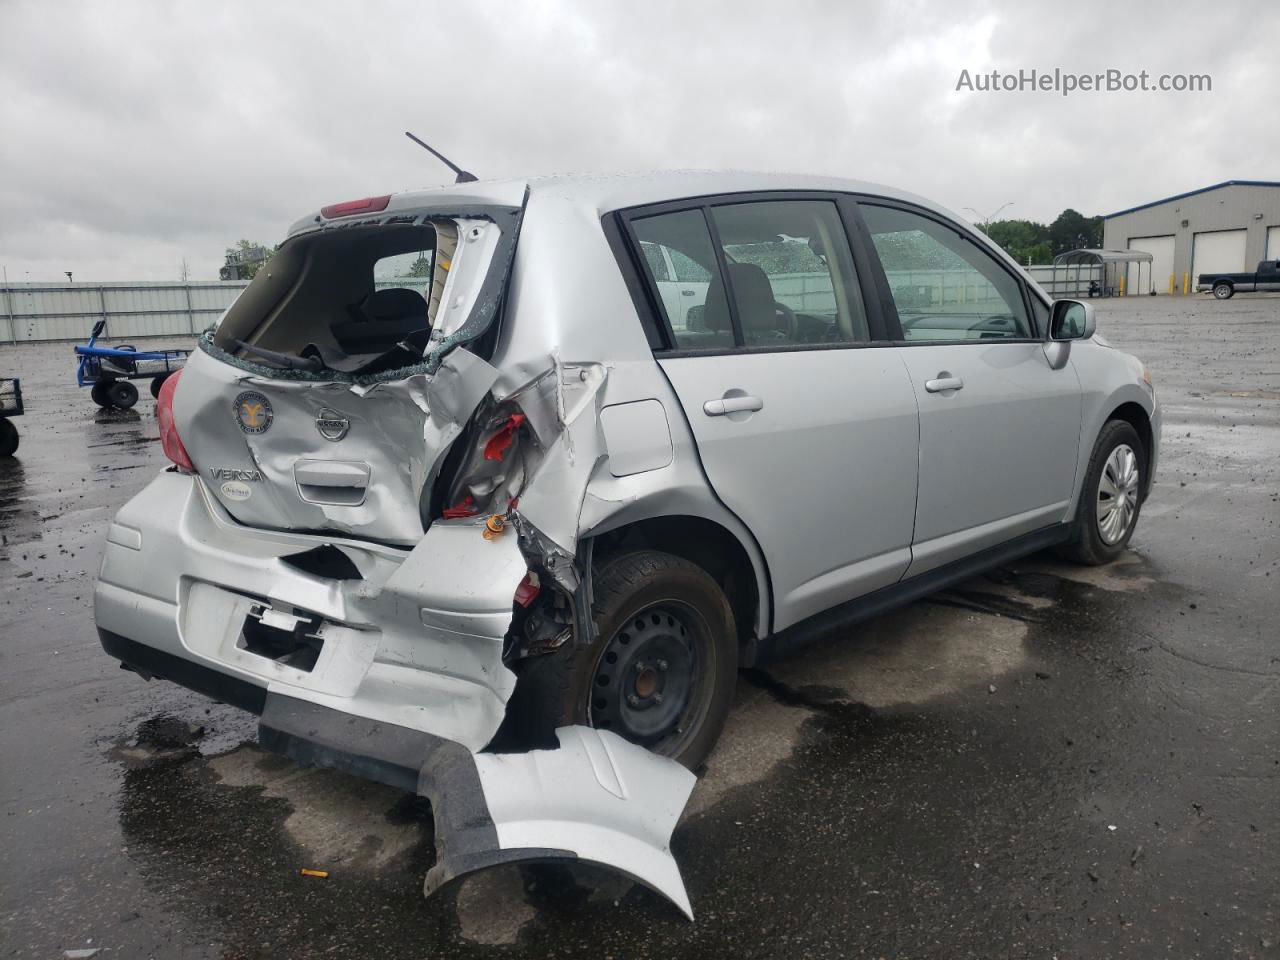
{"x": 1109, "y": 260}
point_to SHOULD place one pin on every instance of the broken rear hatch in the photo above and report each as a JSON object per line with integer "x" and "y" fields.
{"x": 328, "y": 395}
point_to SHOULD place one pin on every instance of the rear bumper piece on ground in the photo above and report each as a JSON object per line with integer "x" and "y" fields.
{"x": 597, "y": 798}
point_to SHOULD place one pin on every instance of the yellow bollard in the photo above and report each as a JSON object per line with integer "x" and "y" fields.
{"x": 1173, "y": 285}
{"x": 1186, "y": 284}
{"x": 1122, "y": 279}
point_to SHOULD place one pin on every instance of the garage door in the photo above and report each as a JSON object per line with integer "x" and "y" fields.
{"x": 1161, "y": 250}
{"x": 1273, "y": 243}
{"x": 1219, "y": 252}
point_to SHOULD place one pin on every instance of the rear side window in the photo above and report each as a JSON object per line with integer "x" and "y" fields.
{"x": 791, "y": 272}
{"x": 790, "y": 275}
{"x": 944, "y": 286}
{"x": 685, "y": 238}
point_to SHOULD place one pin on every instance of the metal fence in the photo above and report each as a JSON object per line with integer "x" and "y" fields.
{"x": 68, "y": 311}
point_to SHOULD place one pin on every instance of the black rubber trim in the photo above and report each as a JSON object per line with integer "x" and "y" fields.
{"x": 151, "y": 662}
{"x": 820, "y": 625}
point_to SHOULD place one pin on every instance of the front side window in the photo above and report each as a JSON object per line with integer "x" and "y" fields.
{"x": 791, "y": 272}
{"x": 944, "y": 286}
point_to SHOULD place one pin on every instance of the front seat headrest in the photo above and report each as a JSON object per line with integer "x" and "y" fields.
{"x": 753, "y": 294}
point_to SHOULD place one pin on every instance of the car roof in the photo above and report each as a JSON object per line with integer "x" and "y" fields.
{"x": 606, "y": 192}
{"x": 603, "y": 193}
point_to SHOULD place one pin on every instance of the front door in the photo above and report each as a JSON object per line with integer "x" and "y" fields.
{"x": 999, "y": 428}
{"x": 806, "y": 430}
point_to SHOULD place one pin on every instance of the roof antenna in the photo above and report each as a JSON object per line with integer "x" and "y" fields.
{"x": 463, "y": 176}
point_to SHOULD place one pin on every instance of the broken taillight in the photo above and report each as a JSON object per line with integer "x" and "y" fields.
{"x": 170, "y": 442}
{"x": 528, "y": 589}
{"x": 351, "y": 207}
{"x": 497, "y": 444}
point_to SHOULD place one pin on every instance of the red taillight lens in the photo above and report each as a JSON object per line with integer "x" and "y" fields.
{"x": 170, "y": 442}
{"x": 367, "y": 205}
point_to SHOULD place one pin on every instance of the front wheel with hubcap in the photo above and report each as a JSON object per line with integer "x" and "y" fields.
{"x": 1111, "y": 498}
{"x": 660, "y": 673}
{"x": 1223, "y": 291}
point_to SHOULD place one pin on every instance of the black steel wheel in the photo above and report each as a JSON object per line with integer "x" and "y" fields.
{"x": 648, "y": 682}
{"x": 660, "y": 673}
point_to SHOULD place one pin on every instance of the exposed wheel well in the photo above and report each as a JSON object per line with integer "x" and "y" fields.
{"x": 1136, "y": 417}
{"x": 705, "y": 543}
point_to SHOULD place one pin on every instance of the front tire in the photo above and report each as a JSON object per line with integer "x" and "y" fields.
{"x": 1111, "y": 498}
{"x": 1223, "y": 291}
{"x": 661, "y": 672}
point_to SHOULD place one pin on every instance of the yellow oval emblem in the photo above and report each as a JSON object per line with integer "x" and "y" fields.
{"x": 253, "y": 412}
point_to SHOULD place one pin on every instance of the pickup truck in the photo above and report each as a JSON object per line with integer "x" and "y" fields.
{"x": 1226, "y": 285}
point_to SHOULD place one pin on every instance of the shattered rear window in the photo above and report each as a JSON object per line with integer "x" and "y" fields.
{"x": 344, "y": 293}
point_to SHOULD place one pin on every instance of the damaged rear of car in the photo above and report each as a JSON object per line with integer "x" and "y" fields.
{"x": 370, "y": 532}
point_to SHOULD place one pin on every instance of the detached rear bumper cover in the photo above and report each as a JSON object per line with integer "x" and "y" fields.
{"x": 596, "y": 798}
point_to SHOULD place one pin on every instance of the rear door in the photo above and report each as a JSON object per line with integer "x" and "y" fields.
{"x": 806, "y": 428}
{"x": 999, "y": 428}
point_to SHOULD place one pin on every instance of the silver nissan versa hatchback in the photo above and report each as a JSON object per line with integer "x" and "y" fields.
{"x": 488, "y": 491}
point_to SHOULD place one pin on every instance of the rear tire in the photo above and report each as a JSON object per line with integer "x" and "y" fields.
{"x": 8, "y": 438}
{"x": 1223, "y": 291}
{"x": 122, "y": 394}
{"x": 1112, "y": 489}
{"x": 660, "y": 673}
{"x": 157, "y": 383}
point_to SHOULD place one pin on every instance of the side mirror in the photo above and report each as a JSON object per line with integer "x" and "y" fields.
{"x": 1072, "y": 320}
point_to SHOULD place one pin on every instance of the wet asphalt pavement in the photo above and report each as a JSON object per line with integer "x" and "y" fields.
{"x": 1050, "y": 761}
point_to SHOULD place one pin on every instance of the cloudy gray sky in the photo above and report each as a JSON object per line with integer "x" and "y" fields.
{"x": 138, "y": 134}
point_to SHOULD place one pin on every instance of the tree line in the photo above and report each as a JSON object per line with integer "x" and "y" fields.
{"x": 1029, "y": 241}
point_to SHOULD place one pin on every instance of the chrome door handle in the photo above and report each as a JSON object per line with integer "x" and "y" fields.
{"x": 943, "y": 383}
{"x": 718, "y": 408}
{"x": 686, "y": 293}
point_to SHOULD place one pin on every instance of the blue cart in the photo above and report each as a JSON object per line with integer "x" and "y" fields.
{"x": 108, "y": 370}
{"x": 10, "y": 407}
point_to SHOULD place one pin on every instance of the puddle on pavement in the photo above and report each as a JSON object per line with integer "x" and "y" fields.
{"x": 337, "y": 821}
